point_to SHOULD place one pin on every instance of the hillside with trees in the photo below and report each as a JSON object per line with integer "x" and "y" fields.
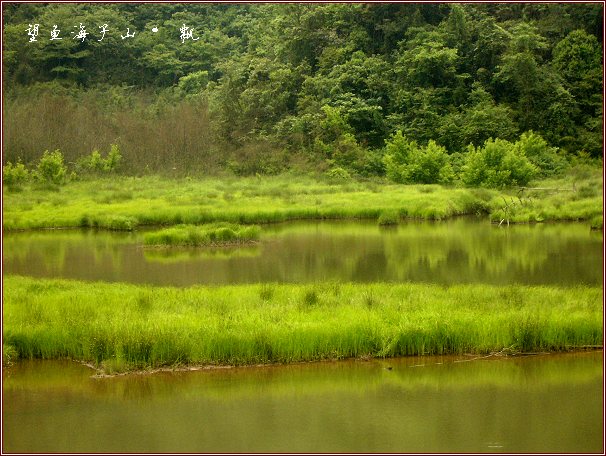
{"x": 483, "y": 94}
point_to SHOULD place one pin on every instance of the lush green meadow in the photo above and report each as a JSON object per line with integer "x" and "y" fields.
{"x": 122, "y": 326}
{"x": 123, "y": 203}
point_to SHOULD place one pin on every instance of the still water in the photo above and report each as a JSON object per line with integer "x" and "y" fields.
{"x": 461, "y": 250}
{"x": 545, "y": 403}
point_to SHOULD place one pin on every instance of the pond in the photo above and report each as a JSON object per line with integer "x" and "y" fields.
{"x": 542, "y": 403}
{"x": 462, "y": 250}
{"x": 546, "y": 403}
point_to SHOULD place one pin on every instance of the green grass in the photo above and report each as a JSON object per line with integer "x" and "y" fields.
{"x": 122, "y": 327}
{"x": 123, "y": 203}
{"x": 576, "y": 196}
{"x": 159, "y": 201}
{"x": 206, "y": 235}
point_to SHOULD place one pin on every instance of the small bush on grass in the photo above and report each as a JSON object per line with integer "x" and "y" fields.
{"x": 497, "y": 164}
{"x": 96, "y": 164}
{"x": 15, "y": 175}
{"x": 51, "y": 168}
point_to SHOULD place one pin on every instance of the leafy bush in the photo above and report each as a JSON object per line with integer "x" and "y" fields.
{"x": 430, "y": 165}
{"x": 14, "y": 175}
{"x": 92, "y": 163}
{"x": 397, "y": 153}
{"x": 545, "y": 158}
{"x": 406, "y": 162}
{"x": 95, "y": 163}
{"x": 338, "y": 173}
{"x": 51, "y": 168}
{"x": 497, "y": 164}
{"x": 113, "y": 160}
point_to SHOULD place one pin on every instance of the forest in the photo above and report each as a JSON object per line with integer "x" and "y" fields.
{"x": 487, "y": 95}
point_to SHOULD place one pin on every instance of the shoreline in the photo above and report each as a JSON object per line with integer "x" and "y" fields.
{"x": 452, "y": 358}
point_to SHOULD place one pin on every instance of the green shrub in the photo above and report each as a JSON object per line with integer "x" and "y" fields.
{"x": 397, "y": 154}
{"x": 96, "y": 164}
{"x": 119, "y": 223}
{"x": 91, "y": 163}
{"x": 497, "y": 164}
{"x": 408, "y": 163}
{"x": 14, "y": 175}
{"x": 430, "y": 165}
{"x": 338, "y": 173}
{"x": 51, "y": 168}
{"x": 113, "y": 160}
{"x": 538, "y": 152}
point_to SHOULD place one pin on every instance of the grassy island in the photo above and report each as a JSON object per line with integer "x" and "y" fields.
{"x": 120, "y": 327}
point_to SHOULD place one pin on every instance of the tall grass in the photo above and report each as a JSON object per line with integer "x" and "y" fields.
{"x": 120, "y": 326}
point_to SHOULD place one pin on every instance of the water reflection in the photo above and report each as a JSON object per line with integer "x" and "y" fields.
{"x": 455, "y": 251}
{"x": 550, "y": 403}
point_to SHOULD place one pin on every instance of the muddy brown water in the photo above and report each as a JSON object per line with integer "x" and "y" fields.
{"x": 462, "y": 250}
{"x": 545, "y": 403}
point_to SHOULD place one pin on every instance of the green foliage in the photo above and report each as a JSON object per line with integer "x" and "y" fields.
{"x": 14, "y": 175}
{"x": 117, "y": 223}
{"x": 324, "y": 84}
{"x": 113, "y": 160}
{"x": 597, "y": 222}
{"x": 406, "y": 162}
{"x": 546, "y": 159}
{"x": 497, "y": 164}
{"x": 430, "y": 165}
{"x": 96, "y": 164}
{"x": 194, "y": 83}
{"x": 51, "y": 168}
{"x": 338, "y": 173}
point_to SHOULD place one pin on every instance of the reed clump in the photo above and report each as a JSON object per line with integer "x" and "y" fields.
{"x": 212, "y": 234}
{"x": 123, "y": 327}
{"x": 388, "y": 218}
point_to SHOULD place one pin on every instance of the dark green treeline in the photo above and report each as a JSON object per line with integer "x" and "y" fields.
{"x": 260, "y": 88}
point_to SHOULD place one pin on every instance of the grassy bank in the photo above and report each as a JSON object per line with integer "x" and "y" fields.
{"x": 126, "y": 202}
{"x": 123, "y": 203}
{"x": 575, "y": 196}
{"x": 206, "y": 235}
{"x": 120, "y": 326}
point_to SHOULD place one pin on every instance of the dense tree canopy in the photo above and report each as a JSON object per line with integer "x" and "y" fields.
{"x": 333, "y": 82}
